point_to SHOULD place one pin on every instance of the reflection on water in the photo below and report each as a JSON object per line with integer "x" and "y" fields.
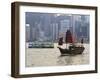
{"x": 52, "y": 57}
{"x": 73, "y": 60}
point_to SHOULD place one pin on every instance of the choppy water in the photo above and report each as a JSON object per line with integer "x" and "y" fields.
{"x": 51, "y": 57}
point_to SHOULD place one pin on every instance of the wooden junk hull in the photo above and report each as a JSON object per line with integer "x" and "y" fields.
{"x": 72, "y": 51}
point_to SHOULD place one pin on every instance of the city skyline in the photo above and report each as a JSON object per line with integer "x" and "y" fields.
{"x": 51, "y": 26}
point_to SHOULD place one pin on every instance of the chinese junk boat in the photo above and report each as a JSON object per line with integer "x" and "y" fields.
{"x": 73, "y": 48}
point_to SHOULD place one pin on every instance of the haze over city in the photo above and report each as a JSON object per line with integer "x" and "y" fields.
{"x": 50, "y": 26}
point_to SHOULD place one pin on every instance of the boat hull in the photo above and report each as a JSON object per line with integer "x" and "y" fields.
{"x": 71, "y": 51}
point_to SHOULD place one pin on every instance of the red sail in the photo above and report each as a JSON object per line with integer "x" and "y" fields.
{"x": 68, "y": 37}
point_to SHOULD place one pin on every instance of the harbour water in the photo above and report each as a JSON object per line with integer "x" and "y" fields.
{"x": 52, "y": 57}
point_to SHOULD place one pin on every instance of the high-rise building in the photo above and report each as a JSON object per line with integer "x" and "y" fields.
{"x": 55, "y": 32}
{"x": 27, "y": 32}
